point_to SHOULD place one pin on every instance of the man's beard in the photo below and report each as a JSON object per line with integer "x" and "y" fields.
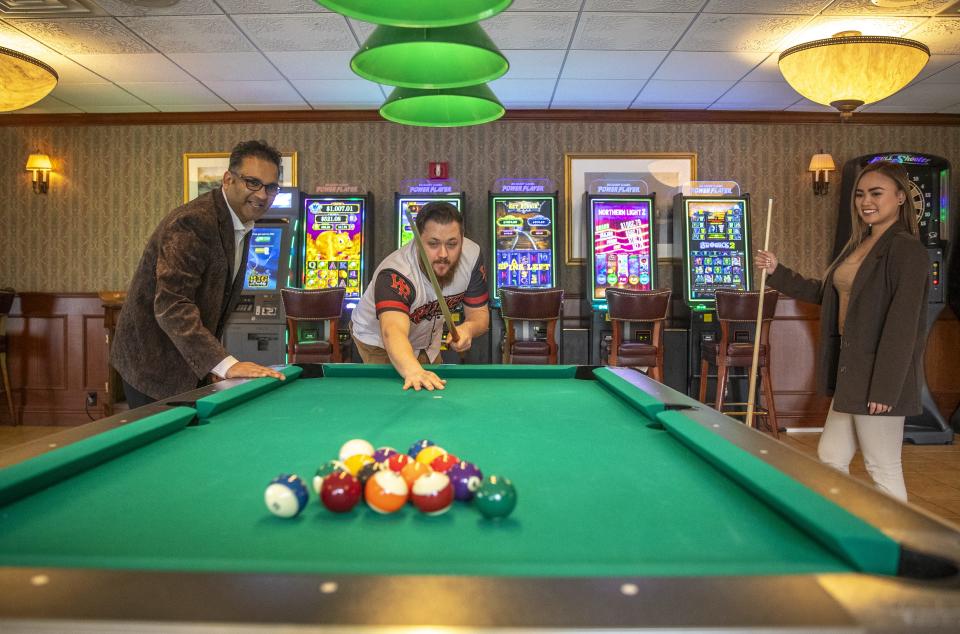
{"x": 446, "y": 278}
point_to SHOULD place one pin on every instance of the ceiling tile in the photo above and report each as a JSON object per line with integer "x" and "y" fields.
{"x": 534, "y": 64}
{"x": 68, "y": 70}
{"x": 174, "y": 94}
{"x": 319, "y": 32}
{"x": 768, "y": 70}
{"x": 195, "y": 108}
{"x": 361, "y": 29}
{"x": 84, "y": 35}
{"x": 729, "y": 32}
{"x": 865, "y": 7}
{"x": 271, "y": 106}
{"x": 118, "y": 109}
{"x": 948, "y": 74}
{"x": 254, "y": 92}
{"x": 545, "y": 5}
{"x": 194, "y": 7}
{"x": 897, "y": 109}
{"x": 47, "y": 105}
{"x": 313, "y": 64}
{"x": 824, "y": 27}
{"x": 271, "y": 6}
{"x": 531, "y": 30}
{"x": 671, "y": 6}
{"x": 747, "y": 106}
{"x": 660, "y": 91}
{"x": 638, "y": 105}
{"x": 767, "y": 92}
{"x": 630, "y": 31}
{"x": 795, "y": 7}
{"x": 715, "y": 66}
{"x": 805, "y": 105}
{"x": 226, "y": 66}
{"x": 612, "y": 64}
{"x": 511, "y": 91}
{"x": 942, "y": 35}
{"x": 596, "y": 92}
{"x": 200, "y": 34}
{"x": 85, "y": 96}
{"x": 340, "y": 92}
{"x": 952, "y": 109}
{"x": 138, "y": 67}
{"x": 926, "y": 93}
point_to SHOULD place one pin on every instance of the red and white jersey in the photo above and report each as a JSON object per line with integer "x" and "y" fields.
{"x": 399, "y": 284}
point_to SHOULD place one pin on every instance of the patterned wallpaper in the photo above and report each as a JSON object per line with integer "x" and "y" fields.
{"x": 112, "y": 184}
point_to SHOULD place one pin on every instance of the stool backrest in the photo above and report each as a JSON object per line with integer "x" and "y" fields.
{"x": 742, "y": 305}
{"x": 632, "y": 305}
{"x": 532, "y": 304}
{"x": 321, "y": 303}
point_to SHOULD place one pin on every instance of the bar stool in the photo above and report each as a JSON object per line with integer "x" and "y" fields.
{"x": 626, "y": 307}
{"x": 6, "y": 303}
{"x": 735, "y": 349}
{"x": 522, "y": 309}
{"x": 305, "y": 306}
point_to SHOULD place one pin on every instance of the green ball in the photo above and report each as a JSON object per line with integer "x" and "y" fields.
{"x": 496, "y": 497}
{"x": 331, "y": 466}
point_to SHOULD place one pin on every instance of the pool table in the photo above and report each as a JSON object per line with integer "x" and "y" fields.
{"x": 638, "y": 508}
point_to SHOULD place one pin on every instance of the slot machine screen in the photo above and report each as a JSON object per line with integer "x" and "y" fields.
{"x": 263, "y": 259}
{"x": 414, "y": 204}
{"x": 523, "y": 241}
{"x": 333, "y": 245}
{"x": 283, "y": 200}
{"x": 622, "y": 247}
{"x": 718, "y": 245}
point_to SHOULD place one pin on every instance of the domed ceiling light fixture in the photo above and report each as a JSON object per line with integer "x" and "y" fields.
{"x": 23, "y": 80}
{"x": 417, "y": 13}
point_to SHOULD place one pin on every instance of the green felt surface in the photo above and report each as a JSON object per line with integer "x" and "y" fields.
{"x": 600, "y": 493}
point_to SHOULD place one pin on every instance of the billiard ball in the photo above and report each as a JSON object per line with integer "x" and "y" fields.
{"x": 432, "y": 493}
{"x": 286, "y": 495}
{"x": 496, "y": 497}
{"x": 466, "y": 478}
{"x": 323, "y": 471}
{"x": 354, "y": 447}
{"x": 386, "y": 492}
{"x": 340, "y": 492}
{"x": 367, "y": 471}
{"x": 428, "y": 454}
{"x": 413, "y": 471}
{"x": 419, "y": 446}
{"x": 444, "y": 462}
{"x": 382, "y": 453}
{"x": 354, "y": 463}
{"x": 398, "y": 461}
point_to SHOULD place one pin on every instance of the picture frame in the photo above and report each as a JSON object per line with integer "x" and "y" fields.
{"x": 203, "y": 171}
{"x": 665, "y": 173}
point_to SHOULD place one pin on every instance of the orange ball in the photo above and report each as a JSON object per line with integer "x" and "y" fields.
{"x": 386, "y": 492}
{"x": 414, "y": 470}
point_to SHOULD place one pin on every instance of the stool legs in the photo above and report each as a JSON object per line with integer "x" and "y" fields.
{"x": 768, "y": 401}
{"x": 704, "y": 369}
{"x": 7, "y": 392}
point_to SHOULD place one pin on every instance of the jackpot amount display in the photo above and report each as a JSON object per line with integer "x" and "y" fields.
{"x": 717, "y": 247}
{"x": 622, "y": 254}
{"x": 413, "y": 205}
{"x": 334, "y": 246}
{"x": 524, "y": 242}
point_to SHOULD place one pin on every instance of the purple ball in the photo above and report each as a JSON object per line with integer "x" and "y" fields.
{"x": 381, "y": 454}
{"x": 466, "y": 479}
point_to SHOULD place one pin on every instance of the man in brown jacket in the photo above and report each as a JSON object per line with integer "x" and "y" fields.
{"x": 186, "y": 284}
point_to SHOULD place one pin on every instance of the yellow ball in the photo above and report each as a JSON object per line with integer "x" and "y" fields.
{"x": 428, "y": 454}
{"x": 355, "y": 462}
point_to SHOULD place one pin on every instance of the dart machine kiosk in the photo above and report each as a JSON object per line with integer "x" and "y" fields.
{"x": 937, "y": 221}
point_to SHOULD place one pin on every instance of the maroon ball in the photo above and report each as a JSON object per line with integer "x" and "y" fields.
{"x": 340, "y": 492}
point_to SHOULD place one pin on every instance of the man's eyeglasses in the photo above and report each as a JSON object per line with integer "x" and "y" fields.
{"x": 255, "y": 184}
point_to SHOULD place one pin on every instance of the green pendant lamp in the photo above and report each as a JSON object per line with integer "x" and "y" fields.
{"x": 417, "y": 13}
{"x": 449, "y": 57}
{"x": 449, "y": 108}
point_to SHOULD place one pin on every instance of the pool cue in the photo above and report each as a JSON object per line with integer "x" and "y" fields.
{"x": 751, "y": 399}
{"x": 425, "y": 261}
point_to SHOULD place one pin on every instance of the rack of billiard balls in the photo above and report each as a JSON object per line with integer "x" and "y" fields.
{"x": 427, "y": 476}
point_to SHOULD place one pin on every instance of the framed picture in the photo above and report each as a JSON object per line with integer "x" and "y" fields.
{"x": 664, "y": 173}
{"x": 203, "y": 171}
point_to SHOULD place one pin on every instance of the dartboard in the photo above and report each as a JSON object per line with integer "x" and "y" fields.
{"x": 916, "y": 197}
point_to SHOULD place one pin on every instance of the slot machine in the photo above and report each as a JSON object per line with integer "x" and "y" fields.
{"x": 937, "y": 222}
{"x": 714, "y": 220}
{"x": 336, "y": 250}
{"x": 621, "y": 251}
{"x": 523, "y": 252}
{"x": 256, "y": 329}
{"x": 413, "y": 195}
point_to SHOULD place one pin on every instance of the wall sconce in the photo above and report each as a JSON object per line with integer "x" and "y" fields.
{"x": 820, "y": 166}
{"x": 40, "y": 165}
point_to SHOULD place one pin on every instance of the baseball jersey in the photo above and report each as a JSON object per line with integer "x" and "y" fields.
{"x": 399, "y": 284}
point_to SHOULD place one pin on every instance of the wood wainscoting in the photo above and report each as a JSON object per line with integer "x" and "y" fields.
{"x": 58, "y": 354}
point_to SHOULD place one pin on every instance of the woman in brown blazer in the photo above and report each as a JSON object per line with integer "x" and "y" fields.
{"x": 872, "y": 326}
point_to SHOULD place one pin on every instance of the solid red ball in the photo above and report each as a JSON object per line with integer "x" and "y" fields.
{"x": 444, "y": 463}
{"x": 340, "y": 492}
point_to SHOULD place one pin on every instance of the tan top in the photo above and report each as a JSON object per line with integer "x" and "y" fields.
{"x": 843, "y": 281}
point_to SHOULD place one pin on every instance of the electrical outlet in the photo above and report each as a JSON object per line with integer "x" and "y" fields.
{"x": 91, "y": 399}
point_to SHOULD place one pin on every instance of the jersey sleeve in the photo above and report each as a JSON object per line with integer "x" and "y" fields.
{"x": 393, "y": 291}
{"x": 477, "y": 294}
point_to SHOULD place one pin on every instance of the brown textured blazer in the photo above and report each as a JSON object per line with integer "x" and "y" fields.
{"x": 168, "y": 334}
{"x": 880, "y": 357}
